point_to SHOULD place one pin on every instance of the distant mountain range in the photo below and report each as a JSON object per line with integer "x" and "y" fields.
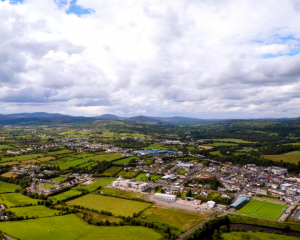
{"x": 39, "y": 118}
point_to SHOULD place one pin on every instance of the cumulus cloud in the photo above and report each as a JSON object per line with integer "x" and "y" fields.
{"x": 210, "y": 59}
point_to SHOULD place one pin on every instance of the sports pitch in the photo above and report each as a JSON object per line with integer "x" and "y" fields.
{"x": 262, "y": 209}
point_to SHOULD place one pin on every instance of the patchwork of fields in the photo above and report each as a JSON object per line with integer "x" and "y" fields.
{"x": 262, "y": 209}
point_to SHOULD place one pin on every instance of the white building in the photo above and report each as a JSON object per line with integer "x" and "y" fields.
{"x": 277, "y": 170}
{"x": 165, "y": 197}
{"x": 130, "y": 183}
{"x": 210, "y": 204}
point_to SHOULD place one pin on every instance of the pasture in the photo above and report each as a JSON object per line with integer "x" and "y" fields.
{"x": 58, "y": 179}
{"x": 105, "y": 157}
{"x": 65, "y": 151}
{"x": 65, "y": 195}
{"x": 97, "y": 183}
{"x": 16, "y": 199}
{"x": 34, "y": 211}
{"x": 292, "y": 157}
{"x": 112, "y": 170}
{"x": 219, "y": 144}
{"x": 255, "y": 236}
{"x": 126, "y": 160}
{"x": 205, "y": 147}
{"x": 8, "y": 187}
{"x": 120, "y": 193}
{"x": 262, "y": 209}
{"x": 234, "y": 140}
{"x": 127, "y": 174}
{"x": 115, "y": 205}
{"x": 4, "y": 147}
{"x": 10, "y": 174}
{"x": 142, "y": 177}
{"x": 22, "y": 157}
{"x": 70, "y": 227}
{"x": 177, "y": 218}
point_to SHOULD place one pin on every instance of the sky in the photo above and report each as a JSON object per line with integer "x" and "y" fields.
{"x": 205, "y": 59}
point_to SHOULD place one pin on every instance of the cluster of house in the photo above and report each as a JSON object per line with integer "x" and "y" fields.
{"x": 154, "y": 152}
{"x": 22, "y": 151}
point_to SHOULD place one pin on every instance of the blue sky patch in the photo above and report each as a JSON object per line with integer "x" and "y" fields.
{"x": 78, "y": 10}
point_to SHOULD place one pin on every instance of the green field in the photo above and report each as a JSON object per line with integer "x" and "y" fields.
{"x": 176, "y": 218}
{"x": 182, "y": 172}
{"x": 142, "y": 177}
{"x": 60, "y": 179}
{"x": 22, "y": 157}
{"x": 8, "y": 187}
{"x": 67, "y": 162}
{"x": 16, "y": 199}
{"x": 59, "y": 152}
{"x": 262, "y": 209}
{"x": 48, "y": 186}
{"x": 5, "y": 147}
{"x": 99, "y": 183}
{"x": 255, "y": 236}
{"x": 111, "y": 171}
{"x": 216, "y": 153}
{"x": 127, "y": 174}
{"x": 228, "y": 140}
{"x": 292, "y": 157}
{"x": 218, "y": 144}
{"x": 70, "y": 227}
{"x": 157, "y": 146}
{"x": 115, "y": 205}
{"x": 120, "y": 193}
{"x": 105, "y": 157}
{"x": 34, "y": 211}
{"x": 65, "y": 195}
{"x": 126, "y": 160}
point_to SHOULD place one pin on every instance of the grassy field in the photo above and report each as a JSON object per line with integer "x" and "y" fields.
{"x": 182, "y": 172}
{"x": 126, "y": 160}
{"x": 8, "y": 187}
{"x": 216, "y": 153}
{"x": 16, "y": 199}
{"x": 65, "y": 195}
{"x": 59, "y": 152}
{"x": 292, "y": 157}
{"x": 48, "y": 186}
{"x": 34, "y": 211}
{"x": 120, "y": 193}
{"x": 218, "y": 144}
{"x": 205, "y": 147}
{"x": 128, "y": 174}
{"x": 111, "y": 171}
{"x": 98, "y": 183}
{"x": 70, "y": 227}
{"x": 180, "y": 219}
{"x": 262, "y": 209}
{"x": 67, "y": 162}
{"x": 105, "y": 157}
{"x": 10, "y": 174}
{"x": 229, "y": 140}
{"x": 255, "y": 236}
{"x": 60, "y": 179}
{"x": 115, "y": 205}
{"x": 2, "y": 147}
{"x": 142, "y": 177}
{"x": 157, "y": 146}
{"x": 22, "y": 157}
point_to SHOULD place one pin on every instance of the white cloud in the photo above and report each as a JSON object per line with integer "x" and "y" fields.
{"x": 196, "y": 58}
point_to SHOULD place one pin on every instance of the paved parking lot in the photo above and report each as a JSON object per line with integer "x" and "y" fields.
{"x": 296, "y": 215}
